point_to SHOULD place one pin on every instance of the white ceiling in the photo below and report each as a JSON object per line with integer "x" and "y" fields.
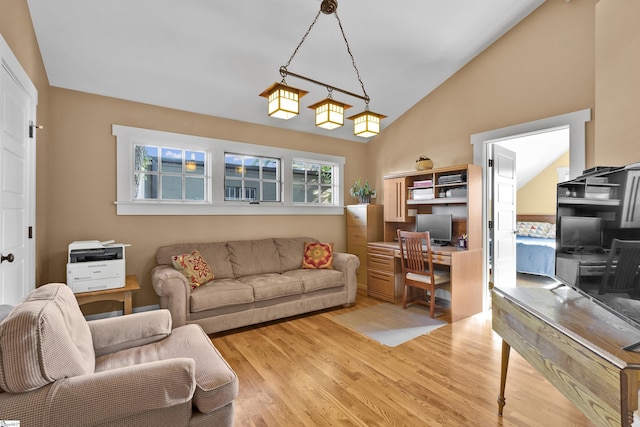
{"x": 214, "y": 57}
{"x": 536, "y": 151}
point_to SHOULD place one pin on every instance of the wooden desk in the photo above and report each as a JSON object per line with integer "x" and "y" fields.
{"x": 576, "y": 345}
{"x": 117, "y": 294}
{"x": 465, "y": 267}
{"x": 571, "y": 267}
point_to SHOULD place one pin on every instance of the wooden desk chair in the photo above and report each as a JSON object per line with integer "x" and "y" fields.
{"x": 622, "y": 267}
{"x": 417, "y": 268}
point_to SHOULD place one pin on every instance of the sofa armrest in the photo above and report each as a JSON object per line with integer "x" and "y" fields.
{"x": 119, "y": 333}
{"x": 122, "y": 392}
{"x": 348, "y": 264}
{"x": 174, "y": 291}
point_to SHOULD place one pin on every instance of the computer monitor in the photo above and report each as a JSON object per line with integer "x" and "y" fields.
{"x": 438, "y": 225}
{"x": 580, "y": 233}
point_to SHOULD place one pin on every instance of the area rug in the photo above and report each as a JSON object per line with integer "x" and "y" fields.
{"x": 390, "y": 324}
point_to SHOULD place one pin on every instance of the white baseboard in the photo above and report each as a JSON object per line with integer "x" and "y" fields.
{"x": 120, "y": 312}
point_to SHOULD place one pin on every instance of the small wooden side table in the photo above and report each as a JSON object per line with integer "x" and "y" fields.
{"x": 117, "y": 294}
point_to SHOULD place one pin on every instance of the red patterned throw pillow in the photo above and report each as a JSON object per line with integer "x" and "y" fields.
{"x": 318, "y": 255}
{"x": 194, "y": 268}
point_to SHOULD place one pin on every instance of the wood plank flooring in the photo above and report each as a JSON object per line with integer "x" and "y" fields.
{"x": 310, "y": 371}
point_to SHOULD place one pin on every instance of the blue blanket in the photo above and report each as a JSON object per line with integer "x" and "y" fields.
{"x": 535, "y": 255}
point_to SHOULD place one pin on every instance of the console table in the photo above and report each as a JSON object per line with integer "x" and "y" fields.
{"x": 116, "y": 294}
{"x": 575, "y": 344}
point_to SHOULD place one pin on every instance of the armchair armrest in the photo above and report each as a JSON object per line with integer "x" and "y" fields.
{"x": 348, "y": 264}
{"x": 119, "y": 333}
{"x": 122, "y": 392}
{"x": 174, "y": 291}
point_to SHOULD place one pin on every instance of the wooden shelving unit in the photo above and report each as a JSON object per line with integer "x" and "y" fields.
{"x": 455, "y": 189}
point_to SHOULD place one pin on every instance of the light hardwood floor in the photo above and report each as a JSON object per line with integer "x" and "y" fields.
{"x": 310, "y": 371}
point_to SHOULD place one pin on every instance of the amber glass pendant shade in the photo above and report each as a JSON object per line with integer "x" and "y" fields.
{"x": 283, "y": 100}
{"x": 329, "y": 113}
{"x": 366, "y": 124}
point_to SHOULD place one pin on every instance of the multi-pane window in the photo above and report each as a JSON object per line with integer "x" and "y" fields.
{"x": 251, "y": 178}
{"x": 314, "y": 182}
{"x": 164, "y": 173}
{"x": 172, "y": 174}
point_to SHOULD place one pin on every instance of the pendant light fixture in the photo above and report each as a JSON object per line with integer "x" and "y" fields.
{"x": 329, "y": 113}
{"x": 284, "y": 100}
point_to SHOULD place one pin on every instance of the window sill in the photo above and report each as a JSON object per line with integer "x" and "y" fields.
{"x": 142, "y": 208}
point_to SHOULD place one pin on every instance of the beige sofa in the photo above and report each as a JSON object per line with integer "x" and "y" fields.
{"x": 57, "y": 369}
{"x": 254, "y": 281}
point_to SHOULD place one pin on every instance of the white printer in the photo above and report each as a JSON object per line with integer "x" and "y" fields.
{"x": 95, "y": 265}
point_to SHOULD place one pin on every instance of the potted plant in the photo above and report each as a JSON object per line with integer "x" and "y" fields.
{"x": 361, "y": 191}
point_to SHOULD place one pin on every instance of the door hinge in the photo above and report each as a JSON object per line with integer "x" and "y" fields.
{"x": 490, "y": 163}
{"x": 490, "y": 225}
{"x": 30, "y": 232}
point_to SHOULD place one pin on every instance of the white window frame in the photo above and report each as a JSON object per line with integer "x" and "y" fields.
{"x": 260, "y": 181}
{"x": 335, "y": 187}
{"x": 214, "y": 204}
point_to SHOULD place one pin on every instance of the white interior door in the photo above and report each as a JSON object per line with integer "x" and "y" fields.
{"x": 504, "y": 216}
{"x": 17, "y": 186}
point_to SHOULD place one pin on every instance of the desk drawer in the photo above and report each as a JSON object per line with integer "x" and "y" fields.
{"x": 381, "y": 250}
{"x": 357, "y": 216}
{"x": 441, "y": 259}
{"x": 380, "y": 262}
{"x": 592, "y": 270}
{"x": 357, "y": 235}
{"x": 381, "y": 284}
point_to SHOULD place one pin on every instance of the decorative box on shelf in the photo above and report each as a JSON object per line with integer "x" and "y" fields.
{"x": 422, "y": 193}
{"x": 423, "y": 183}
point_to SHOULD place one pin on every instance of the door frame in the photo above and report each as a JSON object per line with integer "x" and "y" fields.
{"x": 9, "y": 61}
{"x": 481, "y": 154}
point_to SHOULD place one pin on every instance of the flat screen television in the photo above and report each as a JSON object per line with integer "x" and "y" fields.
{"x": 580, "y": 234}
{"x": 438, "y": 225}
{"x": 582, "y": 237}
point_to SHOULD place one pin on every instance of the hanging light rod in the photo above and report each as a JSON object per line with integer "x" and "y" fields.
{"x": 284, "y": 73}
{"x": 284, "y": 100}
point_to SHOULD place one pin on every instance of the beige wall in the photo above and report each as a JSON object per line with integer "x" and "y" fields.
{"x": 76, "y": 183}
{"x": 83, "y": 185}
{"x": 541, "y": 68}
{"x": 544, "y": 67}
{"x": 17, "y": 30}
{"x": 617, "y": 81}
{"x": 538, "y": 196}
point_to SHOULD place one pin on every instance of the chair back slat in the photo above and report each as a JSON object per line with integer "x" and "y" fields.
{"x": 416, "y": 259}
{"x": 415, "y": 252}
{"x": 622, "y": 267}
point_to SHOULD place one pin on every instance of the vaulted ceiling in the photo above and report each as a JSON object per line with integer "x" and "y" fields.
{"x": 215, "y": 57}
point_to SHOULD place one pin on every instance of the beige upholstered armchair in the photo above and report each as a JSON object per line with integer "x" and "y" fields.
{"x": 57, "y": 369}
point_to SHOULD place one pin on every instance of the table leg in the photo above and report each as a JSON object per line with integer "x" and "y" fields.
{"x": 128, "y": 306}
{"x": 506, "y": 349}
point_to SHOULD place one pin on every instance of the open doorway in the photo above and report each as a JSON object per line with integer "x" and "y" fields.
{"x": 482, "y": 148}
{"x": 522, "y": 204}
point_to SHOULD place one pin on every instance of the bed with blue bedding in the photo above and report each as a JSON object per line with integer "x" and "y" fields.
{"x": 536, "y": 246}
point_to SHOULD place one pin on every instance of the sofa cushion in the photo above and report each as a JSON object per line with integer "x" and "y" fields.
{"x": 273, "y": 285}
{"x": 216, "y": 383}
{"x": 194, "y": 268}
{"x": 317, "y": 255}
{"x": 291, "y": 250}
{"x": 220, "y": 293}
{"x": 215, "y": 254}
{"x": 44, "y": 339}
{"x": 251, "y": 257}
{"x": 316, "y": 279}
